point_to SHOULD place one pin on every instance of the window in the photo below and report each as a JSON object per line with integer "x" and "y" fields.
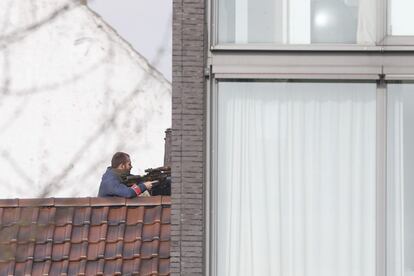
{"x": 296, "y": 176}
{"x": 297, "y": 21}
{"x": 400, "y": 18}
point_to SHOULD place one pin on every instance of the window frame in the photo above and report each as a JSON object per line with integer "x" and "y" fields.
{"x": 212, "y": 183}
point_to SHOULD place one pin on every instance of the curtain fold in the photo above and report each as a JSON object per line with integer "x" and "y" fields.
{"x": 367, "y": 22}
{"x": 395, "y": 175}
{"x": 296, "y": 179}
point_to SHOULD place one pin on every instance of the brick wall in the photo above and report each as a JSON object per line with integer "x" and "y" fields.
{"x": 188, "y": 122}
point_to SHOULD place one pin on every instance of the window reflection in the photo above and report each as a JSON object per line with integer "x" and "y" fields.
{"x": 297, "y": 21}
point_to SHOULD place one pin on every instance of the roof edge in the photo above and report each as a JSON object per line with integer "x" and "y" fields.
{"x": 86, "y": 201}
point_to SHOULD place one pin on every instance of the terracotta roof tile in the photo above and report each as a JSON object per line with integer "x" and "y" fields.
{"x": 85, "y": 236}
{"x": 99, "y": 215}
{"x": 64, "y": 216}
{"x": 78, "y": 251}
{"x": 28, "y": 215}
{"x": 149, "y": 249}
{"x": 9, "y": 233}
{"x": 135, "y": 215}
{"x": 79, "y": 233}
{"x": 117, "y": 215}
{"x": 77, "y": 267}
{"x": 9, "y": 216}
{"x": 62, "y": 233}
{"x": 46, "y": 216}
{"x": 24, "y": 252}
{"x": 96, "y": 250}
{"x": 113, "y": 250}
{"x": 82, "y": 216}
{"x": 131, "y": 267}
{"x": 60, "y": 251}
{"x": 95, "y": 267}
{"x": 41, "y": 268}
{"x": 166, "y": 216}
{"x": 59, "y": 268}
{"x": 114, "y": 233}
{"x": 113, "y": 267}
{"x": 147, "y": 266}
{"x": 44, "y": 233}
{"x": 152, "y": 215}
{"x": 165, "y": 232}
{"x": 151, "y": 232}
{"x": 131, "y": 249}
{"x": 164, "y": 267}
{"x": 133, "y": 232}
{"x": 43, "y": 252}
{"x": 24, "y": 268}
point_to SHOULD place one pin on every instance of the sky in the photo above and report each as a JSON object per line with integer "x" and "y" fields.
{"x": 146, "y": 24}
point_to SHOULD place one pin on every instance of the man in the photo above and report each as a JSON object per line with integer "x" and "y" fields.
{"x": 111, "y": 184}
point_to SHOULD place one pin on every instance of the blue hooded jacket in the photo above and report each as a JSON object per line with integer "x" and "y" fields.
{"x": 111, "y": 185}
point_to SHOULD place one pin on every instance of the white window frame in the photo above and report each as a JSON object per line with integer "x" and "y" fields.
{"x": 212, "y": 161}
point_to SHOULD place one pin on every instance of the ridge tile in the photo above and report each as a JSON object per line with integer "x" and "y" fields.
{"x": 38, "y": 202}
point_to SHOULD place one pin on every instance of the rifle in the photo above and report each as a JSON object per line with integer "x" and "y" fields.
{"x": 162, "y": 175}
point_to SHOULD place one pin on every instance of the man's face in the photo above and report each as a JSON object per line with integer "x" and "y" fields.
{"x": 126, "y": 167}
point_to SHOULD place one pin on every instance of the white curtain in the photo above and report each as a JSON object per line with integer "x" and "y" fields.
{"x": 296, "y": 179}
{"x": 400, "y": 179}
{"x": 395, "y": 180}
{"x": 367, "y": 22}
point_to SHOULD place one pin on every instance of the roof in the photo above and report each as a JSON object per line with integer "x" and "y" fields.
{"x": 85, "y": 236}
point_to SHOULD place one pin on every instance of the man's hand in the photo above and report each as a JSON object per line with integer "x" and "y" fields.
{"x": 148, "y": 184}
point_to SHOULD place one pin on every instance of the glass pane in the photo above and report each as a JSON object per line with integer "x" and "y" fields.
{"x": 296, "y": 21}
{"x": 400, "y": 179}
{"x": 296, "y": 179}
{"x": 400, "y": 17}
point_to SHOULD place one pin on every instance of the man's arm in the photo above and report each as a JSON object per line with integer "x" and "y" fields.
{"x": 111, "y": 186}
{"x": 124, "y": 191}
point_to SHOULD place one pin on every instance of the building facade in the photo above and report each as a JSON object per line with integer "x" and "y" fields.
{"x": 291, "y": 130}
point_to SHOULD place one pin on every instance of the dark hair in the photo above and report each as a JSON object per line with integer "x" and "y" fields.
{"x": 119, "y": 158}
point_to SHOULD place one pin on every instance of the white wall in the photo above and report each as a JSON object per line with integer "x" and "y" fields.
{"x": 71, "y": 94}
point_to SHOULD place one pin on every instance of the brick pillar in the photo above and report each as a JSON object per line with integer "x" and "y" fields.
{"x": 188, "y": 137}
